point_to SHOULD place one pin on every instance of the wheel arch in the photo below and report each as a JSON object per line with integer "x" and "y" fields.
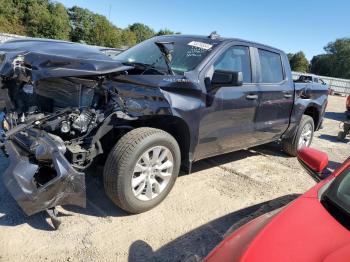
{"x": 303, "y": 108}
{"x": 175, "y": 126}
{"x": 314, "y": 113}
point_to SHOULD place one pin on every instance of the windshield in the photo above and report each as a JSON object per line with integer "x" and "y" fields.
{"x": 337, "y": 197}
{"x": 185, "y": 54}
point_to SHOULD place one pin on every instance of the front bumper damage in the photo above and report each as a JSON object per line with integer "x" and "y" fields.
{"x": 38, "y": 186}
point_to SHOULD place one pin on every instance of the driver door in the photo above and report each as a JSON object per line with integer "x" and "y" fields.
{"x": 228, "y": 121}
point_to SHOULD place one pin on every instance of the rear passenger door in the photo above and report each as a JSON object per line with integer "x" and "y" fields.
{"x": 276, "y": 93}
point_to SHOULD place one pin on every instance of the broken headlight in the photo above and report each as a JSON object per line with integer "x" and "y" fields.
{"x": 5, "y": 125}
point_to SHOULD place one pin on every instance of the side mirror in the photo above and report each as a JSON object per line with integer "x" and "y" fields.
{"x": 313, "y": 161}
{"x": 226, "y": 78}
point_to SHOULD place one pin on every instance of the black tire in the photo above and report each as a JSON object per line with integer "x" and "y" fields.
{"x": 341, "y": 136}
{"x": 290, "y": 145}
{"x": 122, "y": 159}
{"x": 347, "y": 113}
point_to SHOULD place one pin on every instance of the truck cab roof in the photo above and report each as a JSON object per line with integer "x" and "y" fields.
{"x": 222, "y": 40}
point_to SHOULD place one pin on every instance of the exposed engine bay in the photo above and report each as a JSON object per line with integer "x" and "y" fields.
{"x": 47, "y": 92}
{"x": 56, "y": 125}
{"x": 57, "y": 110}
{"x": 65, "y": 104}
{"x": 69, "y": 108}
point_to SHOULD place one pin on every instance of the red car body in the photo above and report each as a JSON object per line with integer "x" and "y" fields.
{"x": 347, "y": 112}
{"x": 348, "y": 103}
{"x": 302, "y": 231}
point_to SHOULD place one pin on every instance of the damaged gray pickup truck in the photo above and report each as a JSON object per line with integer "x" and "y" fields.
{"x": 153, "y": 109}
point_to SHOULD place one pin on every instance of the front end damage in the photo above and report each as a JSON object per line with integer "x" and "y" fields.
{"x": 67, "y": 103}
{"x": 58, "y": 107}
{"x": 48, "y": 154}
{"x": 34, "y": 184}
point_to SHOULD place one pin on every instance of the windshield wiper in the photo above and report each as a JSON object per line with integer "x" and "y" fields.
{"x": 143, "y": 66}
{"x": 166, "y": 54}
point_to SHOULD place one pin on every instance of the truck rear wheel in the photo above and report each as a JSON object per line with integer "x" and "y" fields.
{"x": 302, "y": 138}
{"x": 141, "y": 169}
{"x": 341, "y": 136}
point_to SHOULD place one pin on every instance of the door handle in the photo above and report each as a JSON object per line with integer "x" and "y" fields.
{"x": 252, "y": 97}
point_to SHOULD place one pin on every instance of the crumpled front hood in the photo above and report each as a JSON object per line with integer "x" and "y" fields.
{"x": 39, "y": 58}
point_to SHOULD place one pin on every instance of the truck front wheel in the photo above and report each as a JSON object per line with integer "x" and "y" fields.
{"x": 302, "y": 138}
{"x": 141, "y": 169}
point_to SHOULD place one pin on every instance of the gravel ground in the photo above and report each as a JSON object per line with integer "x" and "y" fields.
{"x": 220, "y": 192}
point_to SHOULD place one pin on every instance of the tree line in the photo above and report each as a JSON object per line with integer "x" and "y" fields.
{"x": 49, "y": 19}
{"x": 335, "y": 62}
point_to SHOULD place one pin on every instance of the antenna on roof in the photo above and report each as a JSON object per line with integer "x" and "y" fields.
{"x": 214, "y": 35}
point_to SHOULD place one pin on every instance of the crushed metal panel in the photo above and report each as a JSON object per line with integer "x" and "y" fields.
{"x": 42, "y": 59}
{"x": 67, "y": 187}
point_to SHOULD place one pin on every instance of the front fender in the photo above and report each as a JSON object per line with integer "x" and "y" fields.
{"x": 149, "y": 95}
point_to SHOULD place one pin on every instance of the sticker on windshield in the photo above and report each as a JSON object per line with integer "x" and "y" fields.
{"x": 200, "y": 45}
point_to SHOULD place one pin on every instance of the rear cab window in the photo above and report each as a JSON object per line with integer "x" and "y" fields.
{"x": 270, "y": 67}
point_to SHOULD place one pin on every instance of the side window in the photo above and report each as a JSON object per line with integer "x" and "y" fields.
{"x": 271, "y": 67}
{"x": 237, "y": 59}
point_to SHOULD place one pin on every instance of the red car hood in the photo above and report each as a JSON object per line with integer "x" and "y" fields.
{"x": 303, "y": 231}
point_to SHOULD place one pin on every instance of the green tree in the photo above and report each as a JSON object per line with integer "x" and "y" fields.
{"x": 37, "y": 19}
{"x": 298, "y": 62}
{"x": 339, "y": 57}
{"x": 104, "y": 33}
{"x": 92, "y": 28}
{"x": 49, "y": 19}
{"x": 46, "y": 19}
{"x": 141, "y": 31}
{"x": 127, "y": 38}
{"x": 81, "y": 23}
{"x": 165, "y": 31}
{"x": 10, "y": 17}
{"x": 321, "y": 65}
{"x": 59, "y": 21}
{"x": 336, "y": 61}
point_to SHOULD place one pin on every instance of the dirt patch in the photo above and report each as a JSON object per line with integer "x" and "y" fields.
{"x": 187, "y": 225}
